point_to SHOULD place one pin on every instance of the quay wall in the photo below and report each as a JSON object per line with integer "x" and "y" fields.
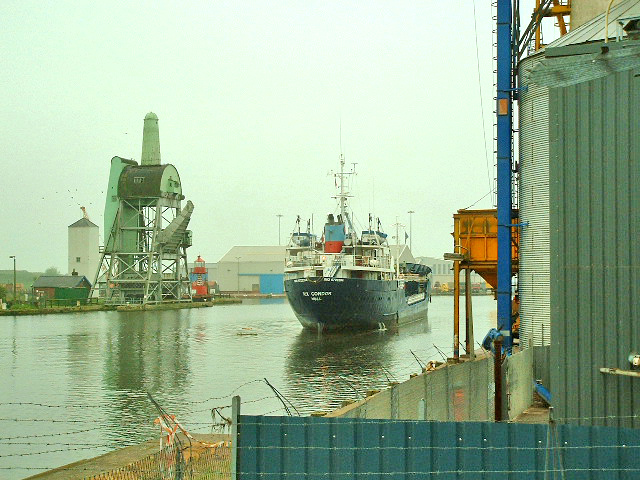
{"x": 456, "y": 391}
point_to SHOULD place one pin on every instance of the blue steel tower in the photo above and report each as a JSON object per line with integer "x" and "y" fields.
{"x": 504, "y": 155}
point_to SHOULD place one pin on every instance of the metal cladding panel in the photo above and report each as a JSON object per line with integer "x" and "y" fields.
{"x": 533, "y": 190}
{"x": 595, "y": 232}
{"x": 149, "y": 181}
{"x": 272, "y": 283}
{"x": 343, "y": 448}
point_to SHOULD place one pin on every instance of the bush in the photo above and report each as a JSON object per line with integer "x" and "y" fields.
{"x": 23, "y": 306}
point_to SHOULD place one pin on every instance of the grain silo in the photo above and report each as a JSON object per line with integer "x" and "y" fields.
{"x": 83, "y": 247}
{"x": 580, "y": 206}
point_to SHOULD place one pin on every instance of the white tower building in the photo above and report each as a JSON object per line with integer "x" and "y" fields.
{"x": 84, "y": 245}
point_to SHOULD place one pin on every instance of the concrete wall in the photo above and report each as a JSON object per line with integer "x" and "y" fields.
{"x": 584, "y": 10}
{"x": 519, "y": 382}
{"x": 456, "y": 392}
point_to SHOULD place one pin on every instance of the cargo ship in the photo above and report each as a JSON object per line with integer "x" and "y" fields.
{"x": 350, "y": 280}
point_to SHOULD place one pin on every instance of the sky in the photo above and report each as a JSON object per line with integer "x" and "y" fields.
{"x": 256, "y": 100}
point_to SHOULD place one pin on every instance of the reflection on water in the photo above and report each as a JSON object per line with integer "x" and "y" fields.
{"x": 331, "y": 368}
{"x": 323, "y": 370}
{"x": 90, "y": 373}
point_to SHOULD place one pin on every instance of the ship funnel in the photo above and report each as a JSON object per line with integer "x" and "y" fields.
{"x": 150, "y": 141}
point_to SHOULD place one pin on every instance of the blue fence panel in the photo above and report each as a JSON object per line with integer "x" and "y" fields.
{"x": 315, "y": 448}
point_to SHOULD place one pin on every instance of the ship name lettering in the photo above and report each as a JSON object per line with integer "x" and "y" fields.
{"x": 318, "y": 294}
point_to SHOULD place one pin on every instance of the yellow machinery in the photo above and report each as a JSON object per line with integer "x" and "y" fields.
{"x": 475, "y": 241}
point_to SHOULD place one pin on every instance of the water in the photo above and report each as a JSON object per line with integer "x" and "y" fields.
{"x": 75, "y": 386}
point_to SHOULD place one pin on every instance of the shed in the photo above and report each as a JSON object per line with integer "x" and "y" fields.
{"x": 62, "y": 287}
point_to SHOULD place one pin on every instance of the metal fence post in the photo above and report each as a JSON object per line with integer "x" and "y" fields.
{"x": 235, "y": 435}
{"x": 497, "y": 377}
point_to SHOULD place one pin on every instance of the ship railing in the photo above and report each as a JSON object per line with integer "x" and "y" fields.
{"x": 365, "y": 261}
{"x": 304, "y": 261}
{"x": 342, "y": 260}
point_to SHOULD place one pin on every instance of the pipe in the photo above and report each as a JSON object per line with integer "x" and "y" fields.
{"x": 504, "y": 131}
{"x": 497, "y": 377}
{"x": 456, "y": 310}
{"x": 468, "y": 314}
{"x": 606, "y": 22}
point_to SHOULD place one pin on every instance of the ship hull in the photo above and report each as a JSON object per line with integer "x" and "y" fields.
{"x": 353, "y": 304}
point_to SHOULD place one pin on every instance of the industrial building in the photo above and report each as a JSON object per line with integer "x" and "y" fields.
{"x": 84, "y": 247}
{"x": 442, "y": 273}
{"x": 144, "y": 258}
{"x": 251, "y": 269}
{"x": 579, "y": 201}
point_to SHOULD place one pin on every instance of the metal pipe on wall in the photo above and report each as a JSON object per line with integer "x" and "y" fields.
{"x": 456, "y": 309}
{"x": 504, "y": 153}
{"x": 468, "y": 314}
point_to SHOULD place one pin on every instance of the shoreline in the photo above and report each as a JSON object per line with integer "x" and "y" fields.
{"x": 122, "y": 308}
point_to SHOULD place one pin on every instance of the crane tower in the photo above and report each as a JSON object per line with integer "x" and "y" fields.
{"x": 144, "y": 258}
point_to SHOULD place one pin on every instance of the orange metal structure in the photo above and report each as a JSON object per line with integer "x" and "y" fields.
{"x": 475, "y": 239}
{"x": 475, "y": 236}
{"x": 558, "y": 10}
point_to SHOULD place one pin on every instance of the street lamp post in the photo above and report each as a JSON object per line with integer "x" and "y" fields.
{"x": 411, "y": 212}
{"x": 14, "y": 276}
{"x": 279, "y": 215}
{"x": 238, "y": 271}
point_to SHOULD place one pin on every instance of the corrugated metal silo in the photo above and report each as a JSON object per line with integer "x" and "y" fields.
{"x": 533, "y": 189}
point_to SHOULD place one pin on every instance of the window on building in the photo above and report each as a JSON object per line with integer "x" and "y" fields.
{"x": 77, "y": 259}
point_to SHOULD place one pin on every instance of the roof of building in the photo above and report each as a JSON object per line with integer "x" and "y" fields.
{"x": 83, "y": 222}
{"x": 594, "y": 29}
{"x": 60, "y": 281}
{"x": 257, "y": 253}
{"x": 402, "y": 252}
{"x": 433, "y": 261}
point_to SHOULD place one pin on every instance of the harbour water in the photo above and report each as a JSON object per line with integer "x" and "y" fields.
{"x": 75, "y": 385}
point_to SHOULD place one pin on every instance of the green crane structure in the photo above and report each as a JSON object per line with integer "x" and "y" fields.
{"x": 144, "y": 258}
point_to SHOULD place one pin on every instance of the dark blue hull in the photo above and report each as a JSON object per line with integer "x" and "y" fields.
{"x": 351, "y": 303}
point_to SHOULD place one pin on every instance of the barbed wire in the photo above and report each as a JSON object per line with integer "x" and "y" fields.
{"x": 50, "y": 420}
{"x": 349, "y": 421}
{"x": 26, "y": 454}
{"x": 59, "y": 443}
{"x": 604, "y": 417}
{"x": 40, "y": 435}
{"x": 362, "y": 474}
{"x": 46, "y": 405}
{"x": 429, "y": 448}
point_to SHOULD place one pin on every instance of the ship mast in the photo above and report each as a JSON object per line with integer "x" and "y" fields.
{"x": 343, "y": 195}
{"x": 343, "y": 198}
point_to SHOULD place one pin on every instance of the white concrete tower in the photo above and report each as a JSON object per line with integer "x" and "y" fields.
{"x": 84, "y": 246}
{"x": 150, "y": 141}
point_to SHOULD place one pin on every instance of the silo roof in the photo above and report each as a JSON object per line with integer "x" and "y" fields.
{"x": 83, "y": 222}
{"x": 594, "y": 30}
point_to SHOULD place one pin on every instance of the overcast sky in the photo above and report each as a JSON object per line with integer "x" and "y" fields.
{"x": 250, "y": 97}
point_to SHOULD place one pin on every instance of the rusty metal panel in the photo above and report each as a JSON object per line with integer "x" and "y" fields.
{"x": 595, "y": 232}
